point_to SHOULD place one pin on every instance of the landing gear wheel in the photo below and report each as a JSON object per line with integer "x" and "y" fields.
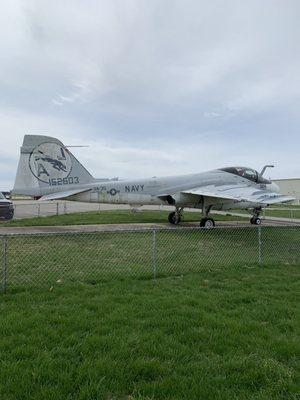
{"x": 174, "y": 218}
{"x": 207, "y": 223}
{"x": 255, "y": 221}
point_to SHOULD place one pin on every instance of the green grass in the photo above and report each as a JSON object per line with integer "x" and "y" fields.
{"x": 128, "y": 217}
{"x": 283, "y": 213}
{"x": 36, "y": 260}
{"x": 286, "y": 205}
{"x": 223, "y": 333}
{"x": 110, "y": 217}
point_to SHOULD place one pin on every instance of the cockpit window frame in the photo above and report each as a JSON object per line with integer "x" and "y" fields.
{"x": 242, "y": 172}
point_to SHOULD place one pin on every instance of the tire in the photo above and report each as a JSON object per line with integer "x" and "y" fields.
{"x": 8, "y": 217}
{"x": 207, "y": 223}
{"x": 255, "y": 221}
{"x": 173, "y": 218}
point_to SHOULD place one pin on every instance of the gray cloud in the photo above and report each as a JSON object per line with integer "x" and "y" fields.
{"x": 157, "y": 87}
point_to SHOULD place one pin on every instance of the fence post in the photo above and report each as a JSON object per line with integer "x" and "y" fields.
{"x": 259, "y": 246}
{"x": 4, "y": 263}
{"x": 57, "y": 208}
{"x": 154, "y": 253}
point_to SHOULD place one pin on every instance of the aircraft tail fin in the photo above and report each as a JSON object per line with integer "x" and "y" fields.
{"x": 46, "y": 163}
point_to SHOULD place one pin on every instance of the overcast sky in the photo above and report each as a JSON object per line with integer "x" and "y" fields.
{"x": 154, "y": 87}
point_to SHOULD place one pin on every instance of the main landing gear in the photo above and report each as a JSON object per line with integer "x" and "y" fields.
{"x": 175, "y": 216}
{"x": 207, "y": 222}
{"x": 255, "y": 220}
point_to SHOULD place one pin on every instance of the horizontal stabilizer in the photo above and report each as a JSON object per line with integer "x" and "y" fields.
{"x": 62, "y": 195}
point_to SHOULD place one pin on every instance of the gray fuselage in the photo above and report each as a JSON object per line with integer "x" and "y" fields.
{"x": 155, "y": 190}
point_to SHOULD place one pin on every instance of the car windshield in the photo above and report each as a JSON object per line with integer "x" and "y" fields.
{"x": 2, "y": 195}
{"x": 247, "y": 173}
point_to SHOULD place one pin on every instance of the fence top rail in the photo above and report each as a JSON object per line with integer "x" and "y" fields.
{"x": 144, "y": 230}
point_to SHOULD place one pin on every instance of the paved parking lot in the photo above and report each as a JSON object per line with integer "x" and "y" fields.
{"x": 31, "y": 208}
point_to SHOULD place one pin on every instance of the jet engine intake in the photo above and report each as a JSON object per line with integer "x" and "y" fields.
{"x": 170, "y": 200}
{"x": 184, "y": 200}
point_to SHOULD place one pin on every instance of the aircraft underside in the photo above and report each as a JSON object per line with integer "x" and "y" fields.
{"x": 175, "y": 217}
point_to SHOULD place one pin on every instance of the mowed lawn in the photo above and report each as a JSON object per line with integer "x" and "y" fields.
{"x": 41, "y": 260}
{"x": 111, "y": 217}
{"x": 221, "y": 333}
{"x": 283, "y": 213}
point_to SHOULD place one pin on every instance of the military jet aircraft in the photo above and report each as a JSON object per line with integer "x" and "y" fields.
{"x": 47, "y": 178}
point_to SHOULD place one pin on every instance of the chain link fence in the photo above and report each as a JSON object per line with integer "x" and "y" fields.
{"x": 32, "y": 209}
{"x": 36, "y": 209}
{"x": 36, "y": 260}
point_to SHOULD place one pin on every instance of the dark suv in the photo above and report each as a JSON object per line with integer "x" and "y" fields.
{"x": 6, "y": 207}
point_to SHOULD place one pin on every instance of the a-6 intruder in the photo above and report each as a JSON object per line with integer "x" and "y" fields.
{"x": 47, "y": 170}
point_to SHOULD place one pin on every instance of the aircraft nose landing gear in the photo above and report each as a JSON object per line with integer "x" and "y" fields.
{"x": 255, "y": 220}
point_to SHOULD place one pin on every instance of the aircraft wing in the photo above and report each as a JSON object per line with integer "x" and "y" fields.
{"x": 62, "y": 195}
{"x": 240, "y": 193}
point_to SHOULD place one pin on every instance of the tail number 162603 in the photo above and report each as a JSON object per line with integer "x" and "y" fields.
{"x": 70, "y": 180}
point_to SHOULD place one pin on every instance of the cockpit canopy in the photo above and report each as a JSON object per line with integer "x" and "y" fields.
{"x": 247, "y": 173}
